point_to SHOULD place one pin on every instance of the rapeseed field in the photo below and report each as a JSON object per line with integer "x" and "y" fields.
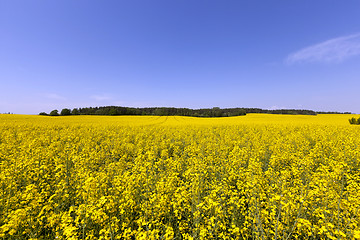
{"x": 146, "y": 177}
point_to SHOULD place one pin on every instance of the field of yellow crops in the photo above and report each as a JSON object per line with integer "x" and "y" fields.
{"x": 145, "y": 177}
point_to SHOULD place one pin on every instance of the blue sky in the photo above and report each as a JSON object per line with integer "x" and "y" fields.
{"x": 179, "y": 53}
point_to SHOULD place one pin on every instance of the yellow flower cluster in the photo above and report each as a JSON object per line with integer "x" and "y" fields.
{"x": 251, "y": 177}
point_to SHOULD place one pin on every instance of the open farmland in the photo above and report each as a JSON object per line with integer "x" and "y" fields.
{"x": 146, "y": 177}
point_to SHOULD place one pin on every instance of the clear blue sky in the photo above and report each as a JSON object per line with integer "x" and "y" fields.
{"x": 179, "y": 53}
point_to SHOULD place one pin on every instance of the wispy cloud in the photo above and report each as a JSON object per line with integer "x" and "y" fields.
{"x": 118, "y": 103}
{"x": 333, "y": 50}
{"x": 276, "y": 107}
{"x": 55, "y": 96}
{"x": 103, "y": 97}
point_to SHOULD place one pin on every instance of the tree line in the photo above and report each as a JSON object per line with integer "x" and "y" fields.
{"x": 172, "y": 111}
{"x": 156, "y": 111}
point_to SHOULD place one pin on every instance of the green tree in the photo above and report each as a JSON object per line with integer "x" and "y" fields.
{"x": 65, "y": 112}
{"x": 160, "y": 112}
{"x": 54, "y": 113}
{"x": 43, "y": 114}
{"x": 113, "y": 112}
{"x": 75, "y": 111}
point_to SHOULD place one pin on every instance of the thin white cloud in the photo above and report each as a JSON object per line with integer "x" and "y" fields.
{"x": 333, "y": 50}
{"x": 276, "y": 108}
{"x": 101, "y": 97}
{"x": 55, "y": 96}
{"x": 118, "y": 103}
